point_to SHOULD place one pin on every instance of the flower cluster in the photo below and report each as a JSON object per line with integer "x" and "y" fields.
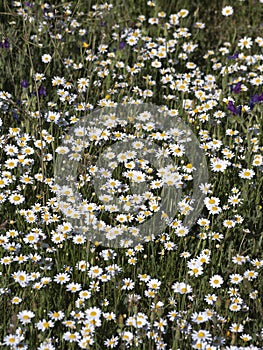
{"x": 65, "y": 283}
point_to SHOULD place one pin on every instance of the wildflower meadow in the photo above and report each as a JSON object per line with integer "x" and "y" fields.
{"x": 131, "y": 175}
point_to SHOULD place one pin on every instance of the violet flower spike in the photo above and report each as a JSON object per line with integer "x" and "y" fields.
{"x": 15, "y": 115}
{"x": 237, "y": 88}
{"x": 28, "y": 4}
{"x": 122, "y": 45}
{"x": 233, "y": 57}
{"x": 42, "y": 91}
{"x": 257, "y": 98}
{"x": 231, "y": 107}
{"x": 24, "y": 83}
{"x": 5, "y": 44}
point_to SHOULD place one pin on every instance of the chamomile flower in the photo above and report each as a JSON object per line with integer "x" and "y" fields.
{"x": 56, "y": 315}
{"x": 246, "y": 174}
{"x": 25, "y": 316}
{"x": 11, "y": 340}
{"x": 154, "y": 284}
{"x": 62, "y": 278}
{"x": 227, "y": 11}
{"x": 210, "y": 299}
{"x": 112, "y": 342}
{"x": 16, "y": 199}
{"x": 235, "y": 307}
{"x": 71, "y": 337}
{"x": 219, "y": 165}
{"x": 250, "y": 275}
{"x": 74, "y": 287}
{"x": 216, "y": 281}
{"x": 235, "y": 278}
{"x": 16, "y": 300}
{"x": 22, "y": 278}
{"x": 44, "y": 325}
{"x": 128, "y": 284}
{"x": 236, "y": 328}
{"x": 245, "y": 42}
{"x": 201, "y": 335}
{"x": 46, "y": 58}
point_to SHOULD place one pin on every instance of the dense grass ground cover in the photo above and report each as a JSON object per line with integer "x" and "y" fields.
{"x": 197, "y": 287}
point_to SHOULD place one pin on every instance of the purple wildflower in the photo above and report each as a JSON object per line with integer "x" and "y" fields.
{"x": 5, "y": 44}
{"x": 236, "y": 88}
{"x": 42, "y": 91}
{"x": 122, "y": 45}
{"x": 231, "y": 107}
{"x": 24, "y": 83}
{"x": 15, "y": 115}
{"x": 255, "y": 99}
{"x": 233, "y": 57}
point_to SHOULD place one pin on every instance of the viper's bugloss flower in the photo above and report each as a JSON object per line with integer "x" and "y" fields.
{"x": 28, "y": 4}
{"x": 24, "y": 83}
{"x": 233, "y": 56}
{"x": 122, "y": 45}
{"x": 5, "y": 44}
{"x": 235, "y": 110}
{"x": 255, "y": 99}
{"x": 15, "y": 115}
{"x": 42, "y": 91}
{"x": 236, "y": 88}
